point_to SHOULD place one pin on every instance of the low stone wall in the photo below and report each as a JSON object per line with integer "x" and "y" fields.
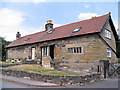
{"x": 9, "y": 64}
{"x": 61, "y": 80}
{"x": 29, "y": 62}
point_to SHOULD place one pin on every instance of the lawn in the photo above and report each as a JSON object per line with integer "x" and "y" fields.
{"x": 39, "y": 69}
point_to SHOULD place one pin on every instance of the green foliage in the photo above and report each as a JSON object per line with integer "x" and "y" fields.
{"x": 12, "y": 58}
{"x": 3, "y": 44}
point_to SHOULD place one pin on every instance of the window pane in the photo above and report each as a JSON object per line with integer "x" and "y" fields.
{"x": 77, "y": 50}
{"x": 68, "y": 50}
{"x": 71, "y": 50}
{"x": 44, "y": 51}
{"x": 80, "y": 51}
{"x": 108, "y": 53}
{"x": 74, "y": 50}
{"x": 107, "y": 34}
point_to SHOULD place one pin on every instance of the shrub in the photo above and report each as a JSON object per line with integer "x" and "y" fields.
{"x": 12, "y": 58}
{"x": 12, "y": 61}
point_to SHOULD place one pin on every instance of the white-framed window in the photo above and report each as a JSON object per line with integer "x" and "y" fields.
{"x": 108, "y": 53}
{"x": 77, "y": 29}
{"x": 107, "y": 34}
{"x": 44, "y": 49}
{"x": 75, "y": 50}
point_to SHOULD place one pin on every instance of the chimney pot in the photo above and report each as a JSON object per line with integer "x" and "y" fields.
{"x": 49, "y": 21}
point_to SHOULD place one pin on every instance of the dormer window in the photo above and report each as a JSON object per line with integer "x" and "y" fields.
{"x": 77, "y": 29}
{"x": 107, "y": 33}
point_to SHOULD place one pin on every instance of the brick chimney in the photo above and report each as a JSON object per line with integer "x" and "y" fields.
{"x": 49, "y": 25}
{"x": 18, "y": 35}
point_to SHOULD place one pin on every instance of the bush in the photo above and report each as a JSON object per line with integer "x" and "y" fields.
{"x": 3, "y": 44}
{"x": 12, "y": 58}
{"x": 12, "y": 61}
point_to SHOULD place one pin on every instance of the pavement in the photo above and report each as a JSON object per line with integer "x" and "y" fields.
{"x": 28, "y": 82}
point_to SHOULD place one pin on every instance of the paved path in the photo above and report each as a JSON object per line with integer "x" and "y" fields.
{"x": 25, "y": 81}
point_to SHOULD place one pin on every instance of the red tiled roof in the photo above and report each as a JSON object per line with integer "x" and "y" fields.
{"x": 88, "y": 26}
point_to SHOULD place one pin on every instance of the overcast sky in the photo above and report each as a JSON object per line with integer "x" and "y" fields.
{"x": 30, "y": 16}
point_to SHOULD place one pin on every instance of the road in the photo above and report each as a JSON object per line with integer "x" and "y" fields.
{"x": 8, "y": 84}
{"x": 107, "y": 83}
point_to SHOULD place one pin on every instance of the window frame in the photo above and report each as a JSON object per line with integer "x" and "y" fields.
{"x": 75, "y": 50}
{"x": 107, "y": 33}
{"x": 44, "y": 51}
{"x": 108, "y": 51}
{"x": 76, "y": 29}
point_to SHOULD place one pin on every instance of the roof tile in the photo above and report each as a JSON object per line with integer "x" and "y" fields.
{"x": 88, "y": 26}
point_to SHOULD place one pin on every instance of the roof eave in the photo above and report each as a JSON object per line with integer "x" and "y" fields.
{"x": 53, "y": 39}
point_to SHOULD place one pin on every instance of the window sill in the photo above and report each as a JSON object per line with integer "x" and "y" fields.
{"x": 44, "y": 55}
{"x": 109, "y": 57}
{"x": 75, "y": 53}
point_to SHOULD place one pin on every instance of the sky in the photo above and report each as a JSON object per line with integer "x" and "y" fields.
{"x": 30, "y": 16}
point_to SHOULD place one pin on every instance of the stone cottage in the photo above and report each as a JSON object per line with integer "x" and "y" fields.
{"x": 74, "y": 47}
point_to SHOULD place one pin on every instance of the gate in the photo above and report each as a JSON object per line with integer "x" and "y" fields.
{"x": 114, "y": 69}
{"x": 108, "y": 69}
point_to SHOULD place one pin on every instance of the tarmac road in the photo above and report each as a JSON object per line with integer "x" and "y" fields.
{"x": 107, "y": 83}
{"x": 8, "y": 84}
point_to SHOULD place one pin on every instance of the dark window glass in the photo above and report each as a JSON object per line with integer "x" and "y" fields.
{"x": 74, "y": 50}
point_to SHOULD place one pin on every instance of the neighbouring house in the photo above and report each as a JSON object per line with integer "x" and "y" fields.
{"x": 75, "y": 47}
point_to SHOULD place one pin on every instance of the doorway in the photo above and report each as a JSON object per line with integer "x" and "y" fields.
{"x": 52, "y": 51}
{"x": 104, "y": 68}
{"x": 33, "y": 53}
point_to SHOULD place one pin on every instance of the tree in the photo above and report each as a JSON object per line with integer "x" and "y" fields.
{"x": 3, "y": 44}
{"x": 118, "y": 49}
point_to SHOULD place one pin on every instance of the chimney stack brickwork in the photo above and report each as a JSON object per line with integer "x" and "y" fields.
{"x": 49, "y": 25}
{"x": 18, "y": 35}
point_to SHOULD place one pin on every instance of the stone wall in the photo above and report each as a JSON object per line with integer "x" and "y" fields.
{"x": 111, "y": 42}
{"x": 93, "y": 50}
{"x": 61, "y": 80}
{"x": 11, "y": 64}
